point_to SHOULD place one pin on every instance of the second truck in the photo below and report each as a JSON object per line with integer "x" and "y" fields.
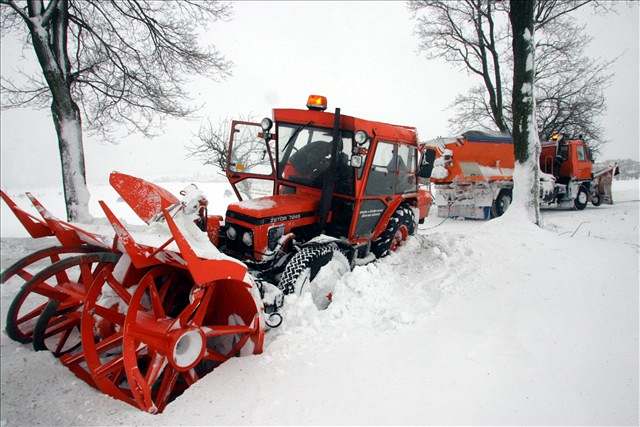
{"x": 473, "y": 174}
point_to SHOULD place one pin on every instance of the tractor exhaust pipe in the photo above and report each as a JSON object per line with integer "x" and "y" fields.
{"x": 329, "y": 181}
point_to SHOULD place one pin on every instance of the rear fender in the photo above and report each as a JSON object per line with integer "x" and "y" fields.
{"x": 423, "y": 202}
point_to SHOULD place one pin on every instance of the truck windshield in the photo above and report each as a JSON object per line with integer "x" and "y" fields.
{"x": 304, "y": 156}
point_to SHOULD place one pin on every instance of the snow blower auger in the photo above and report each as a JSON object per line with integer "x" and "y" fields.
{"x": 72, "y": 239}
{"x": 46, "y": 310}
{"x": 61, "y": 280}
{"x": 165, "y": 315}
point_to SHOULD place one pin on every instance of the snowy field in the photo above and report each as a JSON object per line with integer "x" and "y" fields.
{"x": 469, "y": 323}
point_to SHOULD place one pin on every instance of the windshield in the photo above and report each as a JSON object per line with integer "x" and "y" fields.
{"x": 304, "y": 155}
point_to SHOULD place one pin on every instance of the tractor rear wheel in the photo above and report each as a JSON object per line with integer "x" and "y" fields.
{"x": 596, "y": 199}
{"x": 581, "y": 199}
{"x": 401, "y": 225}
{"x": 304, "y": 268}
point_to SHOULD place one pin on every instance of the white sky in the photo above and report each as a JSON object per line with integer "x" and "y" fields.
{"x": 361, "y": 55}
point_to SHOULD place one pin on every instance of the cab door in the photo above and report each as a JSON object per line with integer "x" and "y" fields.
{"x": 583, "y": 162}
{"x": 250, "y": 161}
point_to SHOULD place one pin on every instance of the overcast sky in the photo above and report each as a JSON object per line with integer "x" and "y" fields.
{"x": 361, "y": 55}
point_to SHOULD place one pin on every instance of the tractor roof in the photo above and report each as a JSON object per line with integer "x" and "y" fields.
{"x": 399, "y": 133}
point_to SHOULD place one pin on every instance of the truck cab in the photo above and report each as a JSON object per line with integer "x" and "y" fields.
{"x": 566, "y": 160}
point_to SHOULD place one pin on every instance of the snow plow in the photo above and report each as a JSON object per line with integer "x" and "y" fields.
{"x": 472, "y": 174}
{"x": 143, "y": 315}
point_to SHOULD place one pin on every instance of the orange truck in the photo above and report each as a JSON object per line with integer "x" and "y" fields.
{"x": 473, "y": 174}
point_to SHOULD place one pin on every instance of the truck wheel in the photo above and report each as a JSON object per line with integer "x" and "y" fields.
{"x": 596, "y": 200}
{"x": 581, "y": 199}
{"x": 401, "y": 225}
{"x": 325, "y": 262}
{"x": 501, "y": 203}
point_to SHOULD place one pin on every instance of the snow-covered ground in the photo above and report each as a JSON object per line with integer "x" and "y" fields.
{"x": 469, "y": 323}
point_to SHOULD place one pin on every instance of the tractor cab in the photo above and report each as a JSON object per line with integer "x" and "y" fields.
{"x": 309, "y": 173}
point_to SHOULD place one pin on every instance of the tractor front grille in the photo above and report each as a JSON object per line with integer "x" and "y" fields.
{"x": 235, "y": 246}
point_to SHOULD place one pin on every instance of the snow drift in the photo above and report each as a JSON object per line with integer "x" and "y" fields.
{"x": 469, "y": 323}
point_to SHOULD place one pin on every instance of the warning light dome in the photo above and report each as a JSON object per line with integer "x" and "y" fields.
{"x": 317, "y": 102}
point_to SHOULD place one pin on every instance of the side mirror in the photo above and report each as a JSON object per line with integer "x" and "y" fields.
{"x": 426, "y": 165}
{"x": 356, "y": 161}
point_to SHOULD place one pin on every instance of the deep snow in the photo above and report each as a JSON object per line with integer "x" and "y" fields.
{"x": 469, "y": 323}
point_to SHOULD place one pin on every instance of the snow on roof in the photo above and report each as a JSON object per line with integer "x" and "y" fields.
{"x": 490, "y": 136}
{"x": 471, "y": 136}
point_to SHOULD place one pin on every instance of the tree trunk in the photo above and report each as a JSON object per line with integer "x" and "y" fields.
{"x": 526, "y": 143}
{"x": 48, "y": 32}
{"x": 69, "y": 130}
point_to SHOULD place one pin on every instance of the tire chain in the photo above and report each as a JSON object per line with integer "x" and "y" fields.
{"x": 299, "y": 262}
{"x": 399, "y": 216}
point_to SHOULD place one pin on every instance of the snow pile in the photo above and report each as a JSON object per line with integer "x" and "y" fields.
{"x": 258, "y": 204}
{"x": 439, "y": 171}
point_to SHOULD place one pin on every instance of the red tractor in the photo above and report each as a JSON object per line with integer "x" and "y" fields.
{"x": 143, "y": 315}
{"x": 329, "y": 184}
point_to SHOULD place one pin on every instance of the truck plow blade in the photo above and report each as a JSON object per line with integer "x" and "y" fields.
{"x": 602, "y": 181}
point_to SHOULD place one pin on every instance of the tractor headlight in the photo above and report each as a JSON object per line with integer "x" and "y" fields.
{"x": 247, "y": 238}
{"x": 266, "y": 124}
{"x": 232, "y": 233}
{"x": 360, "y": 137}
{"x": 274, "y": 234}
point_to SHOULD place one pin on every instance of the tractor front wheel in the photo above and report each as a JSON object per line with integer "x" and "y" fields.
{"x": 315, "y": 269}
{"x": 401, "y": 225}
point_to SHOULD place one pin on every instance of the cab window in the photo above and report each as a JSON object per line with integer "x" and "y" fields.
{"x": 383, "y": 169}
{"x": 406, "y": 181}
{"x": 304, "y": 156}
{"x": 581, "y": 155}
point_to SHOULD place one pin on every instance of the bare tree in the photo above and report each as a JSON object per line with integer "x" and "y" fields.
{"x": 570, "y": 86}
{"x": 111, "y": 62}
{"x": 466, "y": 33}
{"x": 526, "y": 143}
{"x": 212, "y": 145}
{"x": 249, "y": 153}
